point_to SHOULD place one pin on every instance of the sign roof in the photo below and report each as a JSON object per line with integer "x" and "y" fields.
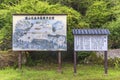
{"x": 91, "y": 32}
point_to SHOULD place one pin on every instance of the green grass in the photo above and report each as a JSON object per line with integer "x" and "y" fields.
{"x": 49, "y": 72}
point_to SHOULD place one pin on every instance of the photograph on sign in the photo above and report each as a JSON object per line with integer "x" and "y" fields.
{"x": 39, "y": 32}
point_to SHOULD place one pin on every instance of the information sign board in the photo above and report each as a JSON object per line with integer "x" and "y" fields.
{"x": 39, "y": 32}
{"x": 90, "y": 43}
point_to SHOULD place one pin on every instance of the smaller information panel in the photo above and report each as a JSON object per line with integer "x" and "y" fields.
{"x": 90, "y": 43}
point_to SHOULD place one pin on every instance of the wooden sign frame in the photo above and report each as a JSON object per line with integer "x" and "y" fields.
{"x": 57, "y": 29}
{"x": 39, "y": 32}
{"x": 79, "y": 41}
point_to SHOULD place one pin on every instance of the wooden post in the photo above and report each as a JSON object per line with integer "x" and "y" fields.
{"x": 75, "y": 62}
{"x": 20, "y": 60}
{"x": 59, "y": 62}
{"x": 105, "y": 62}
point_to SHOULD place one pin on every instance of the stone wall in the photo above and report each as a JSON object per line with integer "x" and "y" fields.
{"x": 112, "y": 53}
{"x": 8, "y": 58}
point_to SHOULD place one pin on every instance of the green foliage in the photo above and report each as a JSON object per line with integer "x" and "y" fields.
{"x": 98, "y": 14}
{"x": 30, "y": 61}
{"x": 114, "y": 38}
{"x": 117, "y": 63}
{"x": 82, "y": 56}
{"x": 94, "y": 59}
{"x": 9, "y": 2}
{"x": 38, "y": 58}
{"x": 35, "y": 7}
{"x": 114, "y": 62}
{"x": 79, "y": 5}
{"x": 99, "y": 60}
{"x": 5, "y": 29}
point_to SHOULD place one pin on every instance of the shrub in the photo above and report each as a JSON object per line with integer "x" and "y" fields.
{"x": 34, "y": 7}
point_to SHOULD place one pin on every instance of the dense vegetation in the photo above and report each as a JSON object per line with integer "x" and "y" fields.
{"x": 81, "y": 14}
{"x": 34, "y": 7}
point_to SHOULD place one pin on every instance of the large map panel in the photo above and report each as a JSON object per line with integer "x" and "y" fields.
{"x": 39, "y": 32}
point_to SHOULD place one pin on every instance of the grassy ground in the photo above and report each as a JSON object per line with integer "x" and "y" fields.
{"x": 49, "y": 72}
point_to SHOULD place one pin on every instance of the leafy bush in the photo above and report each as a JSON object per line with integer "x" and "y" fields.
{"x": 114, "y": 38}
{"x": 82, "y": 56}
{"x": 98, "y": 14}
{"x": 117, "y": 63}
{"x": 94, "y": 59}
{"x": 34, "y": 7}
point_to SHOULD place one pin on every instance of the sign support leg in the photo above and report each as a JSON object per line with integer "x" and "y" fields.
{"x": 20, "y": 60}
{"x": 105, "y": 62}
{"x": 75, "y": 62}
{"x": 59, "y": 62}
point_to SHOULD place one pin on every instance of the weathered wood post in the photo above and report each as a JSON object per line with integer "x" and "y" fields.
{"x": 20, "y": 60}
{"x": 105, "y": 62}
{"x": 75, "y": 62}
{"x": 91, "y": 40}
{"x": 59, "y": 62}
